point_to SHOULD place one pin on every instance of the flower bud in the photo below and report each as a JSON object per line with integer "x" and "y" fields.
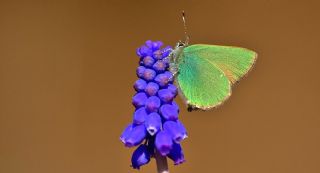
{"x": 148, "y": 61}
{"x": 153, "y": 123}
{"x": 173, "y": 89}
{"x": 155, "y": 120}
{"x": 139, "y": 99}
{"x": 126, "y": 133}
{"x": 140, "y": 157}
{"x": 156, "y": 45}
{"x": 140, "y": 116}
{"x": 169, "y": 75}
{"x": 163, "y": 142}
{"x": 157, "y": 55}
{"x": 152, "y": 104}
{"x": 169, "y": 112}
{"x": 159, "y": 66}
{"x": 166, "y": 60}
{"x": 165, "y": 95}
{"x": 176, "y": 154}
{"x": 162, "y": 79}
{"x": 136, "y": 136}
{"x": 149, "y": 74}
{"x": 149, "y": 43}
{"x": 175, "y": 130}
{"x": 140, "y": 71}
{"x": 144, "y": 51}
{"x": 140, "y": 85}
{"x": 138, "y": 52}
{"x": 181, "y": 126}
{"x": 151, "y": 88}
{"x": 173, "y": 103}
{"x": 166, "y": 51}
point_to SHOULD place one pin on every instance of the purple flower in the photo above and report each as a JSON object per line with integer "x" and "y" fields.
{"x": 140, "y": 116}
{"x": 153, "y": 123}
{"x": 152, "y": 104}
{"x": 160, "y": 66}
{"x": 156, "y": 45}
{"x": 181, "y": 126}
{"x": 138, "y": 52}
{"x": 169, "y": 75}
{"x": 169, "y": 112}
{"x": 166, "y": 51}
{"x": 148, "y": 61}
{"x": 140, "y": 85}
{"x": 165, "y": 95}
{"x": 176, "y": 154}
{"x": 149, "y": 43}
{"x": 163, "y": 142}
{"x": 149, "y": 74}
{"x": 139, "y": 99}
{"x": 155, "y": 120}
{"x": 126, "y": 133}
{"x": 173, "y": 89}
{"x": 162, "y": 79}
{"x": 140, "y": 157}
{"x": 140, "y": 71}
{"x": 176, "y": 131}
{"x": 151, "y": 88}
{"x": 175, "y": 105}
{"x": 157, "y": 55}
{"x": 134, "y": 136}
{"x": 144, "y": 51}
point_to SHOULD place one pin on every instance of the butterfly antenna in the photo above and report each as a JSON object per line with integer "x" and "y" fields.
{"x": 185, "y": 28}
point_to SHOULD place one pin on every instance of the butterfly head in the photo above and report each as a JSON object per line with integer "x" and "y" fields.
{"x": 177, "y": 51}
{"x": 174, "y": 57}
{"x": 181, "y": 44}
{"x": 175, "y": 54}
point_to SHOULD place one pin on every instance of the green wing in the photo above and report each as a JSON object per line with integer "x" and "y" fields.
{"x": 206, "y": 72}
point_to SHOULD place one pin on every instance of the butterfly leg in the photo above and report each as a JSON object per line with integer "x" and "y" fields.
{"x": 192, "y": 108}
{"x": 173, "y": 68}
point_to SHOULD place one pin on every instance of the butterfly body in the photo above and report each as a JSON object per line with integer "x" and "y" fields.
{"x": 206, "y": 73}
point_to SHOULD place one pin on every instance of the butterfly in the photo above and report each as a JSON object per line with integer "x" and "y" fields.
{"x": 206, "y": 73}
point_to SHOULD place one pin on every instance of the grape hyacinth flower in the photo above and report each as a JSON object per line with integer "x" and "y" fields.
{"x": 155, "y": 128}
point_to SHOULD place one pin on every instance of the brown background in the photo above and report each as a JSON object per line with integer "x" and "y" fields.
{"x": 67, "y": 70}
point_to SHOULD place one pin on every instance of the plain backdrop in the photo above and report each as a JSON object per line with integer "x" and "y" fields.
{"x": 67, "y": 70}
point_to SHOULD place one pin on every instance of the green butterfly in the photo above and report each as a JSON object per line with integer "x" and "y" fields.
{"x": 206, "y": 73}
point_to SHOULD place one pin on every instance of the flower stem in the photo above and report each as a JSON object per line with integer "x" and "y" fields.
{"x": 162, "y": 163}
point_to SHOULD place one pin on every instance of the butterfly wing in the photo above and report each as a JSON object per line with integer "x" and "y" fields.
{"x": 235, "y": 62}
{"x": 206, "y": 72}
{"x": 201, "y": 83}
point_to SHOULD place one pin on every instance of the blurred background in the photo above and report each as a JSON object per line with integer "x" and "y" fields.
{"x": 67, "y": 69}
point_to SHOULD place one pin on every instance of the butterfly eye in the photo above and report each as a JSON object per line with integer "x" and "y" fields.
{"x": 180, "y": 44}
